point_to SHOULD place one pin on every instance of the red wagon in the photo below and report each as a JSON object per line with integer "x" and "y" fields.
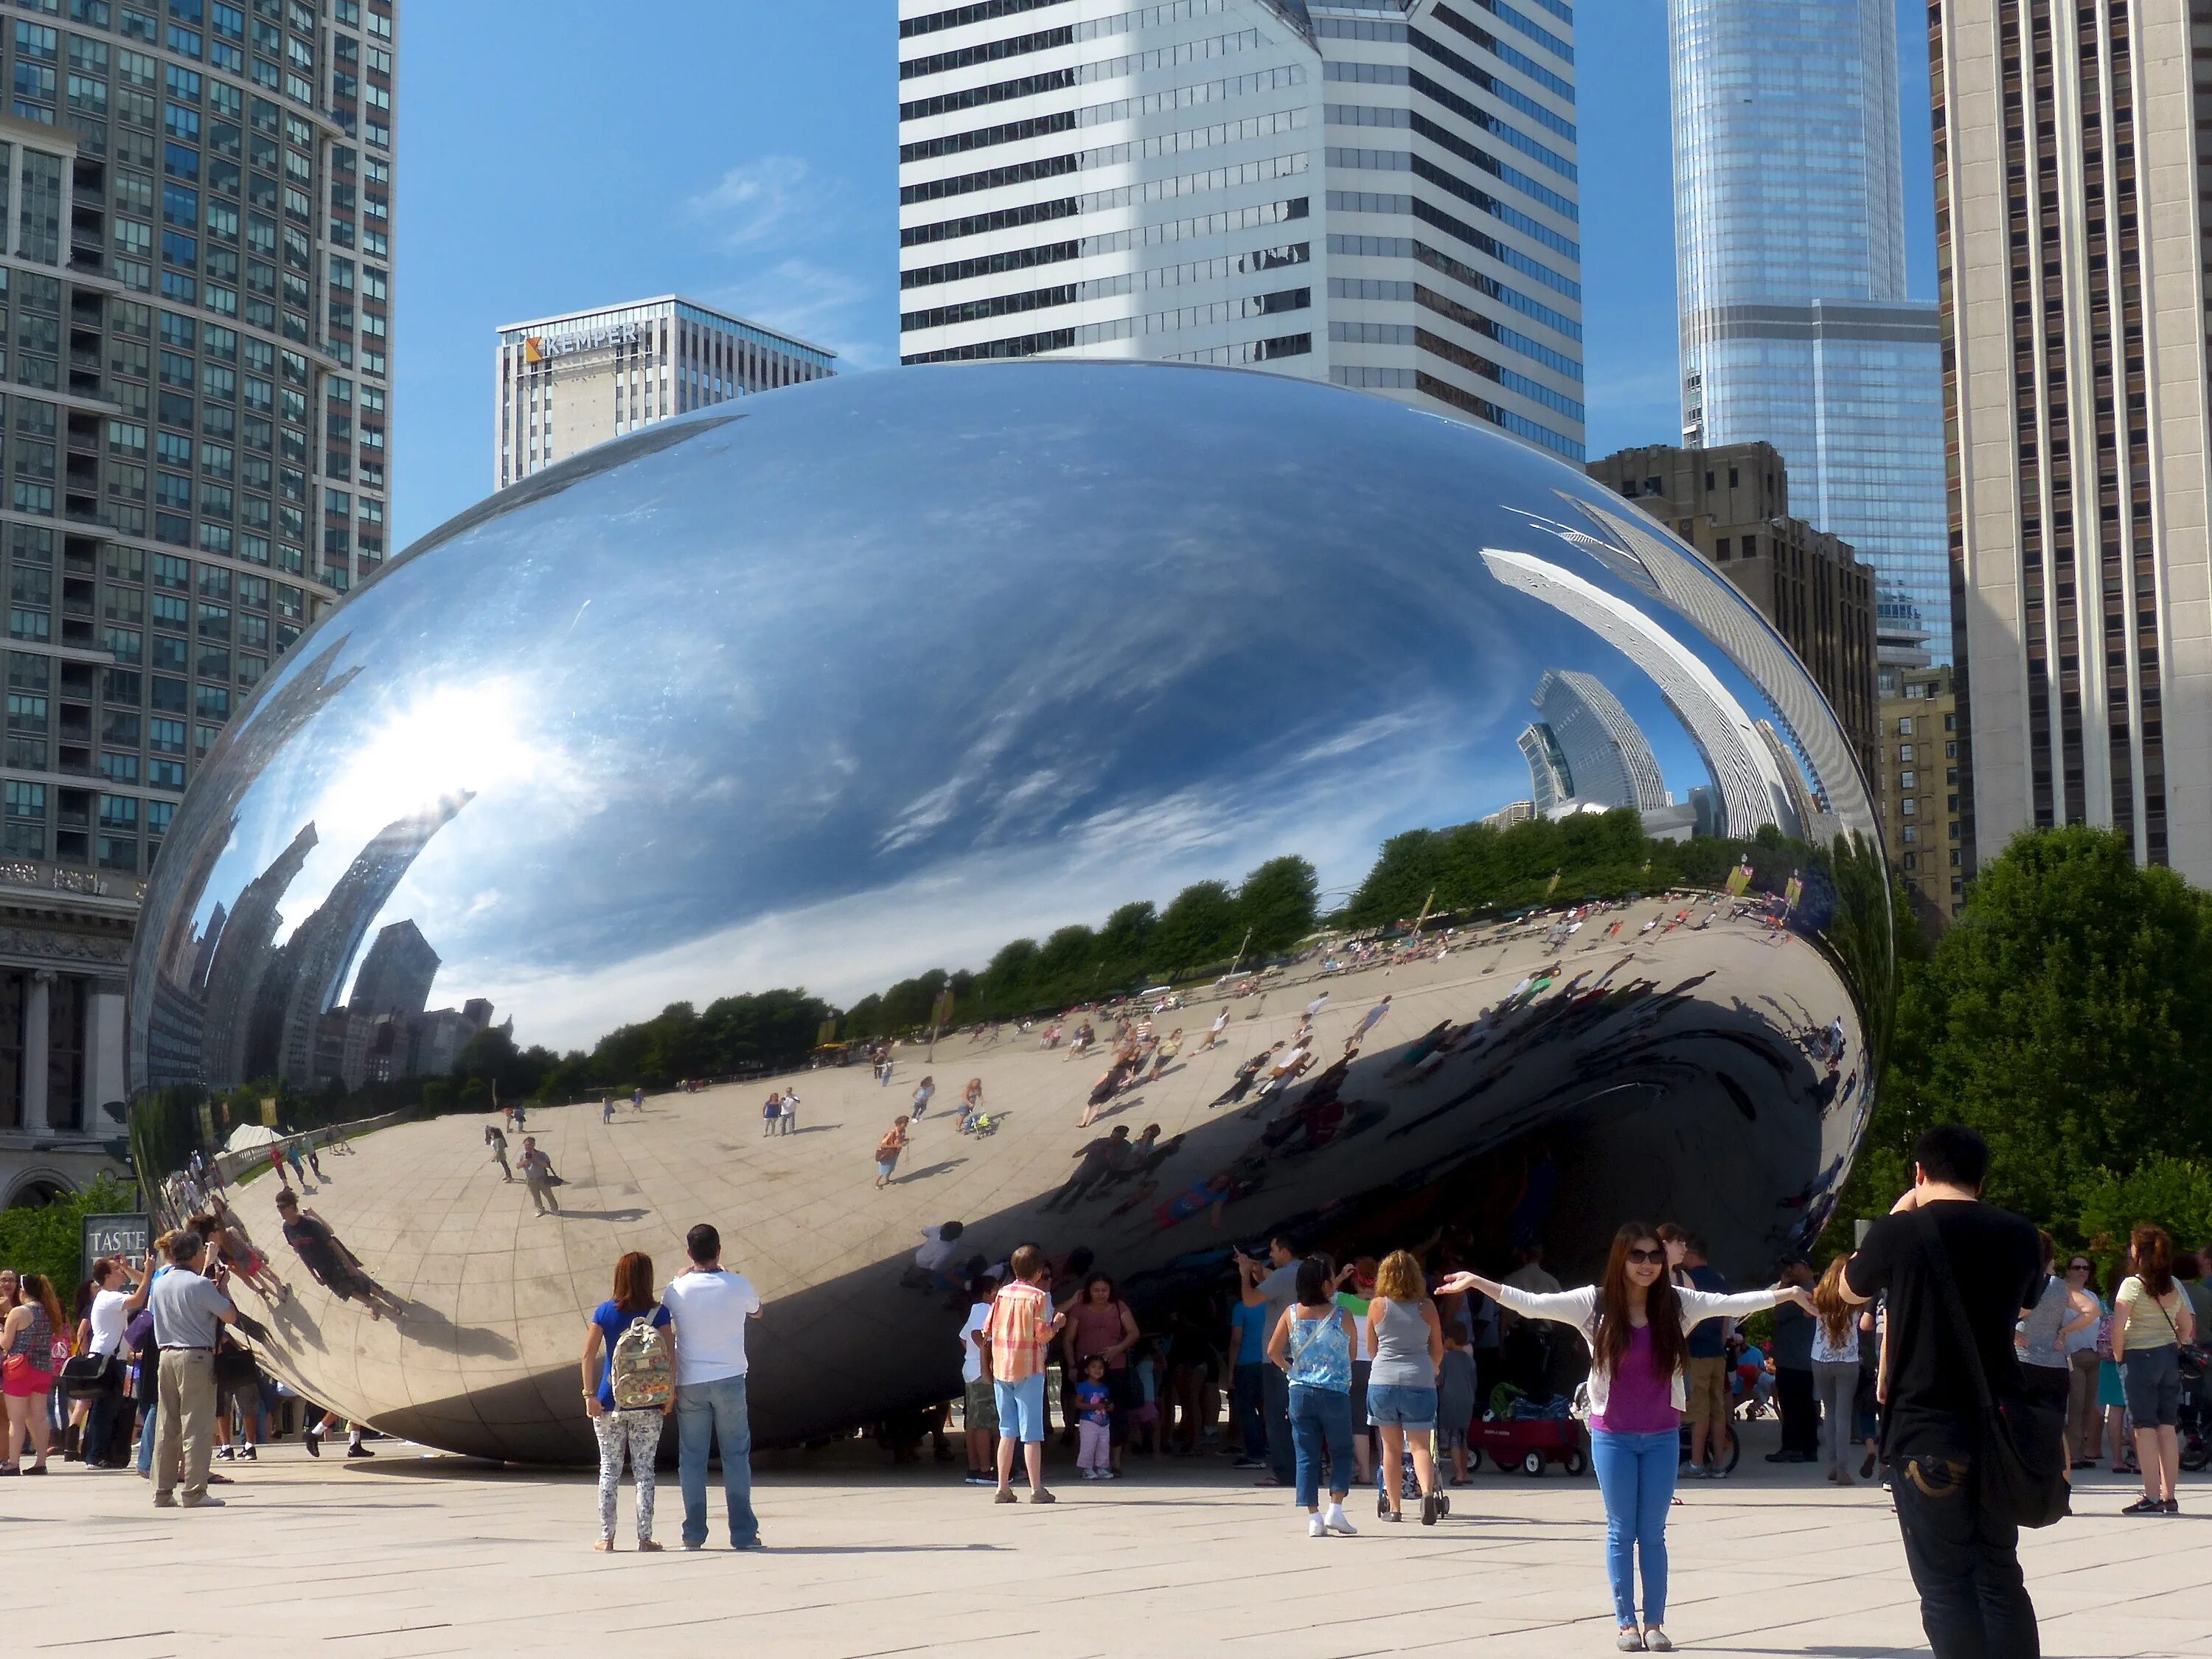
{"x": 1528, "y": 1443}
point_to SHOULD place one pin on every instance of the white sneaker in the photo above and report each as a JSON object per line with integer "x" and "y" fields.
{"x": 1332, "y": 1517}
{"x": 1315, "y": 1527}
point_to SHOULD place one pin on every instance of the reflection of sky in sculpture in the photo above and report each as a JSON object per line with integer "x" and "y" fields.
{"x": 893, "y": 668}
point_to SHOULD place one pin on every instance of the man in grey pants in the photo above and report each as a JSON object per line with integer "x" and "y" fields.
{"x": 189, "y": 1314}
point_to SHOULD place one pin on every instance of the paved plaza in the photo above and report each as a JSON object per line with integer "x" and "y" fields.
{"x": 405, "y": 1555}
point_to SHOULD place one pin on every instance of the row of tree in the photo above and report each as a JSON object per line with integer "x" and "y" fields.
{"x": 2064, "y": 1015}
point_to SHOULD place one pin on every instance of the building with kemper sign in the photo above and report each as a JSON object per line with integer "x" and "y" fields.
{"x": 579, "y": 379}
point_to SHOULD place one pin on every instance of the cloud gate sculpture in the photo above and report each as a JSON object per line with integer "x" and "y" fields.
{"x": 1008, "y": 701}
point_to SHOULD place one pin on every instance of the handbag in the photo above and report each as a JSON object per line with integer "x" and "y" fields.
{"x": 2022, "y": 1442}
{"x": 88, "y": 1375}
{"x": 2191, "y": 1355}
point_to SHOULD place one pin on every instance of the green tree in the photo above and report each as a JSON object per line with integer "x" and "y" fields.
{"x": 2062, "y": 1015}
{"x": 49, "y": 1238}
{"x": 1199, "y": 928}
{"x": 1277, "y": 902}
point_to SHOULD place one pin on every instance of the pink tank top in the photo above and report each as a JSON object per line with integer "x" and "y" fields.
{"x": 1639, "y": 1400}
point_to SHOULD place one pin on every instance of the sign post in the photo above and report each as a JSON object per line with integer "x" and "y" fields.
{"x": 130, "y": 1236}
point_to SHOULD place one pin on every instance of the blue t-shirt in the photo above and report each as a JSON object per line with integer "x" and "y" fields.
{"x": 1709, "y": 1340}
{"x": 1252, "y": 1346}
{"x": 612, "y": 1323}
{"x": 1097, "y": 1400}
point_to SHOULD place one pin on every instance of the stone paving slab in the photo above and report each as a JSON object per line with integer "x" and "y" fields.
{"x": 406, "y": 1555}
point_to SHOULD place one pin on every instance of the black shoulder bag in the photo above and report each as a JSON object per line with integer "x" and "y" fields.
{"x": 2022, "y": 1443}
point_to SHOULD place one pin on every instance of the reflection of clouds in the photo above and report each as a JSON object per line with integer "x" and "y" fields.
{"x": 1370, "y": 732}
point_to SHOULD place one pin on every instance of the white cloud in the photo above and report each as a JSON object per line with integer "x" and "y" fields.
{"x": 812, "y": 301}
{"x": 759, "y": 203}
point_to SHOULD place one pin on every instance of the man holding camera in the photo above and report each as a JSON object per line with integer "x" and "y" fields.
{"x": 190, "y": 1311}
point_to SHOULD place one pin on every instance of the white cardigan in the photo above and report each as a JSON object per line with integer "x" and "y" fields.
{"x": 1579, "y": 1310}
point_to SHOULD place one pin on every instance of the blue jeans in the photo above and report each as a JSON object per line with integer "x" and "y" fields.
{"x": 1320, "y": 1419}
{"x": 146, "y": 1439}
{"x": 1275, "y": 1401}
{"x": 715, "y": 1410}
{"x": 1636, "y": 1473}
{"x": 1249, "y": 1390}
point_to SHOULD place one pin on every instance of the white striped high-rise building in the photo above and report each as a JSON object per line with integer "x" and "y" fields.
{"x": 2074, "y": 251}
{"x": 1381, "y": 194}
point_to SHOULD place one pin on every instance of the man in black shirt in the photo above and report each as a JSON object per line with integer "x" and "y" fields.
{"x": 1964, "y": 1561}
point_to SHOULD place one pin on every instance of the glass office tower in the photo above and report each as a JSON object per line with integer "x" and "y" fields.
{"x": 1790, "y": 248}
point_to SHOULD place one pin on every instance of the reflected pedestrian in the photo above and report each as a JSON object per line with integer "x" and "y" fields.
{"x": 887, "y": 1152}
{"x": 538, "y": 1174}
{"x": 495, "y": 1137}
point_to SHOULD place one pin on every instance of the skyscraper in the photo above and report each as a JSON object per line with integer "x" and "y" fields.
{"x": 1381, "y": 194}
{"x": 1551, "y": 783}
{"x": 197, "y": 251}
{"x": 578, "y": 379}
{"x": 1790, "y": 255}
{"x": 396, "y": 975}
{"x": 1607, "y": 761}
{"x": 2073, "y": 227}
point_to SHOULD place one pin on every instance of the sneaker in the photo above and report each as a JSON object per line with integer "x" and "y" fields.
{"x": 312, "y": 1440}
{"x": 1041, "y": 1496}
{"x": 357, "y": 1449}
{"x": 1249, "y": 1463}
{"x": 162, "y": 1501}
{"x": 1695, "y": 1472}
{"x": 982, "y": 1480}
{"x": 200, "y": 1503}
{"x": 2145, "y": 1506}
{"x": 1332, "y": 1517}
{"x": 1315, "y": 1527}
{"x": 1090, "y": 1474}
{"x": 1657, "y": 1641}
{"x": 1005, "y": 1496}
{"x": 2172, "y": 1506}
{"x": 1631, "y": 1639}
{"x": 1109, "y": 1474}
{"x": 249, "y": 1454}
{"x": 223, "y": 1454}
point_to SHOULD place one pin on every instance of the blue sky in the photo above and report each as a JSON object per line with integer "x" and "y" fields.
{"x": 762, "y": 176}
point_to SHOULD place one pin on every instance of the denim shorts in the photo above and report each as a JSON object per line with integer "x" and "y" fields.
{"x": 1021, "y": 1410}
{"x": 1402, "y": 1406}
{"x": 2151, "y": 1378}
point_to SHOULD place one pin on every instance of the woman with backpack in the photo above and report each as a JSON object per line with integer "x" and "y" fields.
{"x": 628, "y": 1398}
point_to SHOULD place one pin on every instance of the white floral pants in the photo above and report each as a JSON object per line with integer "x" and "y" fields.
{"x": 639, "y": 1432}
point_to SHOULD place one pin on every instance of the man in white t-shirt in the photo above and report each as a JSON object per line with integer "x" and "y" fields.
{"x": 979, "y": 1411}
{"x": 710, "y": 1307}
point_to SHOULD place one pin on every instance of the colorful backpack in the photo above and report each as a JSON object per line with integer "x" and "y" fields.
{"x": 641, "y": 1378}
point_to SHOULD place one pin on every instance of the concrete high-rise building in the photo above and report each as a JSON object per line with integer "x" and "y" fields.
{"x": 1551, "y": 784}
{"x": 1917, "y": 785}
{"x": 1789, "y": 254}
{"x": 1381, "y": 194}
{"x": 198, "y": 256}
{"x": 565, "y": 383}
{"x": 2073, "y": 230}
{"x": 396, "y": 976}
{"x": 1731, "y": 502}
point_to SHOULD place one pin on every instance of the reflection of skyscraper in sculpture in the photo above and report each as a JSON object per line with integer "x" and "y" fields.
{"x": 320, "y": 952}
{"x": 1606, "y": 757}
{"x": 1551, "y": 784}
{"x": 167, "y": 1006}
{"x": 1685, "y": 581}
{"x": 242, "y": 958}
{"x": 1749, "y": 791}
{"x": 396, "y": 975}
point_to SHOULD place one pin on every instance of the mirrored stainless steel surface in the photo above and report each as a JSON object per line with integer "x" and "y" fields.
{"x": 886, "y": 673}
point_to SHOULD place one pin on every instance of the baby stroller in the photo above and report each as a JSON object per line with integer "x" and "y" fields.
{"x": 1409, "y": 1488}
{"x": 2196, "y": 1423}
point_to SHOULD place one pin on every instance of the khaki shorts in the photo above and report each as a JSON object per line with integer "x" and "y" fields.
{"x": 980, "y": 1413}
{"x": 1709, "y": 1398}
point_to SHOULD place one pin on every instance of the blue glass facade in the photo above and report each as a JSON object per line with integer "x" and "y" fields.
{"x": 1790, "y": 247}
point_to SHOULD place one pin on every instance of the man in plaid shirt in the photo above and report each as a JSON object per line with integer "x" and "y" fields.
{"x": 1019, "y": 1335}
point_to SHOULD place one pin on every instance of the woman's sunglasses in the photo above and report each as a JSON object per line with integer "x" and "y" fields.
{"x": 1648, "y": 1258}
{"x": 2078, "y": 1268}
